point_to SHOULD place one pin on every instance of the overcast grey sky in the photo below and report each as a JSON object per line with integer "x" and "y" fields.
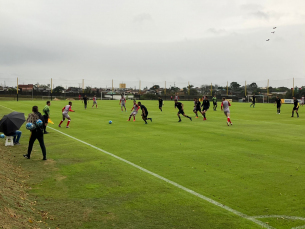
{"x": 178, "y": 41}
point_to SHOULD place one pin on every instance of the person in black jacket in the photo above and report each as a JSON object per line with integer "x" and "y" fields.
{"x": 36, "y": 133}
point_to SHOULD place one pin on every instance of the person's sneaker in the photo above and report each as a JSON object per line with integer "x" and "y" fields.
{"x": 228, "y": 124}
{"x": 128, "y": 120}
{"x": 204, "y": 118}
{"x": 190, "y": 118}
{"x": 59, "y": 125}
{"x": 151, "y": 119}
{"x": 291, "y": 116}
{"x": 231, "y": 123}
{"x": 67, "y": 126}
{"x": 16, "y": 143}
{"x": 179, "y": 120}
{"x": 46, "y": 132}
{"x": 134, "y": 120}
{"x": 146, "y": 123}
{"x": 196, "y": 117}
{"x": 26, "y": 156}
{"x": 44, "y": 158}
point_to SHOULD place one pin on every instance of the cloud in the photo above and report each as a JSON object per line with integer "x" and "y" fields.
{"x": 260, "y": 15}
{"x": 217, "y": 31}
{"x": 140, "y": 18}
{"x": 251, "y": 7}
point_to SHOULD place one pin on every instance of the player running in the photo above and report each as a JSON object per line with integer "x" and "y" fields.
{"x": 196, "y": 107}
{"x": 134, "y": 110}
{"x": 65, "y": 115}
{"x": 94, "y": 101}
{"x": 123, "y": 102}
{"x": 214, "y": 99}
{"x": 206, "y": 106}
{"x": 253, "y": 101}
{"x": 180, "y": 110}
{"x": 46, "y": 116}
{"x": 278, "y": 103}
{"x": 160, "y": 103}
{"x": 144, "y": 112}
{"x": 85, "y": 101}
{"x": 296, "y": 106}
{"x": 225, "y": 107}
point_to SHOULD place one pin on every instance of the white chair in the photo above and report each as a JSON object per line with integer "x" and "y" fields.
{"x": 9, "y": 141}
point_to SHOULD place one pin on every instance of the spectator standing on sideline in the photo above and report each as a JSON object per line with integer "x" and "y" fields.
{"x": 37, "y": 133}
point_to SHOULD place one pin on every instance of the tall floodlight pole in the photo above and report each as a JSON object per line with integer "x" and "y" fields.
{"x": 227, "y": 89}
{"x": 17, "y": 88}
{"x": 51, "y": 89}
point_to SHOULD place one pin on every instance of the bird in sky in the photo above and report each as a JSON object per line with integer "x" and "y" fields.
{"x": 267, "y": 39}
{"x": 273, "y": 32}
{"x": 274, "y": 27}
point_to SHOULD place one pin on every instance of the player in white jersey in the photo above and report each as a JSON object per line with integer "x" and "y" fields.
{"x": 94, "y": 101}
{"x": 134, "y": 110}
{"x": 302, "y": 100}
{"x": 123, "y": 102}
{"x": 65, "y": 115}
{"x": 225, "y": 107}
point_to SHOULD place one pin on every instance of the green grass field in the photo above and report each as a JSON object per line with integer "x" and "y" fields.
{"x": 255, "y": 167}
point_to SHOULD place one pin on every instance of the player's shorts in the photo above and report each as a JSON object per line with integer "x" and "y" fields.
{"x": 146, "y": 114}
{"x": 122, "y": 105}
{"x": 198, "y": 109}
{"x": 134, "y": 113}
{"x": 215, "y": 103}
{"x": 226, "y": 113}
{"x": 65, "y": 115}
{"x": 205, "y": 109}
{"x": 94, "y": 102}
{"x": 295, "y": 108}
{"x": 278, "y": 106}
{"x": 181, "y": 112}
{"x": 160, "y": 105}
{"x": 46, "y": 119}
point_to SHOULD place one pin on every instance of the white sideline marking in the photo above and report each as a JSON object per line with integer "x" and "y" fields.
{"x": 251, "y": 218}
{"x": 173, "y": 183}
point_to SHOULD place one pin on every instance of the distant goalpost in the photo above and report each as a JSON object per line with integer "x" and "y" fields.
{"x": 250, "y": 96}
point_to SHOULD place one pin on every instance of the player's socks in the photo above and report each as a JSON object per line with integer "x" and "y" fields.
{"x": 229, "y": 120}
{"x": 297, "y": 114}
{"x": 68, "y": 122}
{"x": 204, "y": 115}
{"x": 179, "y": 120}
{"x": 150, "y": 119}
{"x": 60, "y": 123}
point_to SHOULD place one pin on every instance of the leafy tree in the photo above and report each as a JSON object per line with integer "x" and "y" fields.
{"x": 87, "y": 90}
{"x": 155, "y": 87}
{"x": 234, "y": 85}
{"x": 253, "y": 85}
{"x": 58, "y": 89}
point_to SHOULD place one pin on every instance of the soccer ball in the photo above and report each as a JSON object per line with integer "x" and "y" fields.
{"x": 39, "y": 122}
{"x": 30, "y": 126}
{"x": 2, "y": 136}
{"x": 110, "y": 122}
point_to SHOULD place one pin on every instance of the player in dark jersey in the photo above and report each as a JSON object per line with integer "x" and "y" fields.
{"x": 85, "y": 99}
{"x": 253, "y": 101}
{"x": 196, "y": 107}
{"x": 296, "y": 106}
{"x": 278, "y": 103}
{"x": 144, "y": 112}
{"x": 205, "y": 106}
{"x": 214, "y": 99}
{"x": 180, "y": 110}
{"x": 160, "y": 103}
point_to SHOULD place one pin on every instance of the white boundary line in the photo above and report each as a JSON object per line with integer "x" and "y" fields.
{"x": 251, "y": 218}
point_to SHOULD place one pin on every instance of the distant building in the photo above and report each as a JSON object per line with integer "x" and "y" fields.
{"x": 24, "y": 87}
